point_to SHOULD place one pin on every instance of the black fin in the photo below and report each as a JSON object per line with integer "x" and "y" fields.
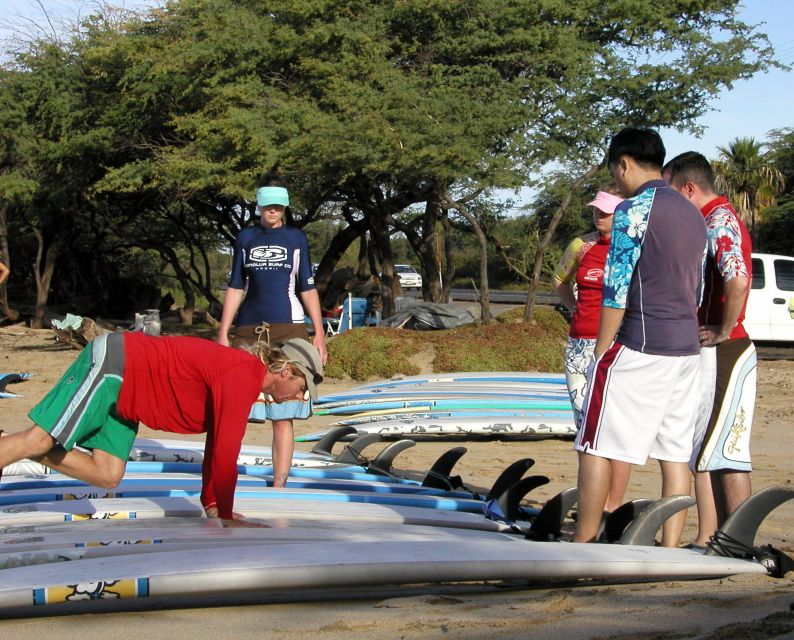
{"x": 642, "y": 530}
{"x": 509, "y": 477}
{"x": 510, "y": 499}
{"x": 439, "y": 475}
{"x": 351, "y": 454}
{"x": 548, "y": 523}
{"x": 620, "y": 518}
{"x": 327, "y": 442}
{"x": 382, "y": 463}
{"x": 742, "y": 525}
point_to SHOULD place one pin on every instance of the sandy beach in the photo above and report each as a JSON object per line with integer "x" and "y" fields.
{"x": 743, "y": 607}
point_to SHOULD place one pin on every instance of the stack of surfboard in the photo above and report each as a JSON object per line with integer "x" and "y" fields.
{"x": 469, "y": 405}
{"x": 332, "y": 528}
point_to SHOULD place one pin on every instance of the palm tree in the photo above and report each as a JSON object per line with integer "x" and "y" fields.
{"x": 748, "y": 179}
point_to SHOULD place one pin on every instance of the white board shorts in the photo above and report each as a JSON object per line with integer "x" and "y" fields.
{"x": 725, "y": 417}
{"x": 640, "y": 405}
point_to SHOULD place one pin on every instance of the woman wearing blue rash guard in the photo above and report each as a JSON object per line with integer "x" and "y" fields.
{"x": 270, "y": 289}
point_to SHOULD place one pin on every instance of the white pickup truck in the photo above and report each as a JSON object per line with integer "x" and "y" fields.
{"x": 770, "y": 305}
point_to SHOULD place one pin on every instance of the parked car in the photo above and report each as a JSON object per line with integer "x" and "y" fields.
{"x": 770, "y": 305}
{"x": 409, "y": 278}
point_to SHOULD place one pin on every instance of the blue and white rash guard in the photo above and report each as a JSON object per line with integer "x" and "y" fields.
{"x": 275, "y": 266}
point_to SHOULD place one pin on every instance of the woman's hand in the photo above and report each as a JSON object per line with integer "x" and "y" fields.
{"x": 319, "y": 344}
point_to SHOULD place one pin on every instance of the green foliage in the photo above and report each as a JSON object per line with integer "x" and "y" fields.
{"x": 748, "y": 179}
{"x": 152, "y": 132}
{"x": 365, "y": 353}
{"x": 521, "y": 346}
{"x": 505, "y": 346}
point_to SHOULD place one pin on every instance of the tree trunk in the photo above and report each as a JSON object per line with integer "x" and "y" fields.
{"x": 449, "y": 255}
{"x": 363, "y": 272}
{"x": 485, "y": 304}
{"x": 5, "y": 258}
{"x": 390, "y": 283}
{"x": 43, "y": 277}
{"x": 546, "y": 240}
{"x": 336, "y": 249}
{"x": 429, "y": 254}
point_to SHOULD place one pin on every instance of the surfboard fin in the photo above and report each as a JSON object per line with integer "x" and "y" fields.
{"x": 382, "y": 463}
{"x": 736, "y": 537}
{"x": 9, "y": 378}
{"x": 510, "y": 499}
{"x": 742, "y": 525}
{"x": 642, "y": 530}
{"x": 327, "y": 442}
{"x": 616, "y": 522}
{"x": 439, "y": 475}
{"x": 351, "y": 454}
{"x": 509, "y": 477}
{"x": 548, "y": 523}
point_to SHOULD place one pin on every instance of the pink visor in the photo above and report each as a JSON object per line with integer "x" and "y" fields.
{"x": 605, "y": 202}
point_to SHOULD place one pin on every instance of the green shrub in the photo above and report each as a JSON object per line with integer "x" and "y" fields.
{"x": 368, "y": 352}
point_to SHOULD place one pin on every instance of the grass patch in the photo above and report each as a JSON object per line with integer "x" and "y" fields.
{"x": 507, "y": 345}
{"x": 370, "y": 352}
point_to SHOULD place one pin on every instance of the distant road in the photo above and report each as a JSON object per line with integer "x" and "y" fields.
{"x": 495, "y": 296}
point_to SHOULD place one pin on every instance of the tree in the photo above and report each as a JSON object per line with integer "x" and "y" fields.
{"x": 776, "y": 234}
{"x": 748, "y": 179}
{"x": 378, "y": 107}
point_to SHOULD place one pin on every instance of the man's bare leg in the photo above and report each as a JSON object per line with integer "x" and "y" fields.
{"x": 283, "y": 448}
{"x": 99, "y": 468}
{"x": 25, "y": 444}
{"x": 593, "y": 487}
{"x": 733, "y": 488}
{"x": 675, "y": 482}
{"x": 707, "y": 508}
{"x": 618, "y": 483}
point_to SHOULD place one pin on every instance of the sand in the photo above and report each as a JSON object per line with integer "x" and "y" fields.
{"x": 744, "y": 607}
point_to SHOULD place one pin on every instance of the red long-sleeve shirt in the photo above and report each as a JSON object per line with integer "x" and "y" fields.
{"x": 192, "y": 385}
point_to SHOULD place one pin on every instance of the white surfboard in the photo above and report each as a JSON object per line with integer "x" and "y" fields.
{"x": 486, "y": 427}
{"x": 15, "y": 517}
{"x": 470, "y": 376}
{"x": 335, "y": 493}
{"x": 333, "y": 566}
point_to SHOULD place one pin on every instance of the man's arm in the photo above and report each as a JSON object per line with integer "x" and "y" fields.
{"x": 608, "y": 327}
{"x": 735, "y": 295}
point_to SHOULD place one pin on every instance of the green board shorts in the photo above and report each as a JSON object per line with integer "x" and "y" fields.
{"x": 81, "y": 408}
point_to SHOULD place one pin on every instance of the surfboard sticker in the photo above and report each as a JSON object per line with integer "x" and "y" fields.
{"x": 100, "y": 515}
{"x": 87, "y": 495}
{"x": 102, "y": 590}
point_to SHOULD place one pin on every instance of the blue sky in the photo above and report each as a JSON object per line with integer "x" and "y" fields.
{"x": 753, "y": 107}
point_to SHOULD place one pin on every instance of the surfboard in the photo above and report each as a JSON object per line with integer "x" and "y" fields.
{"x": 448, "y": 403}
{"x": 21, "y": 517}
{"x": 335, "y": 566}
{"x": 378, "y": 416}
{"x": 470, "y": 376}
{"x": 22, "y": 489}
{"x": 11, "y": 378}
{"x": 437, "y": 392}
{"x": 154, "y": 450}
{"x": 482, "y": 396}
{"x": 486, "y": 427}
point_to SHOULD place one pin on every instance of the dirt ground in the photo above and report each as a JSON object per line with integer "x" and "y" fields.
{"x": 744, "y": 607}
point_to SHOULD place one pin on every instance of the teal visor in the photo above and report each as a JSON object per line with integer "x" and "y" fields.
{"x": 272, "y": 195}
